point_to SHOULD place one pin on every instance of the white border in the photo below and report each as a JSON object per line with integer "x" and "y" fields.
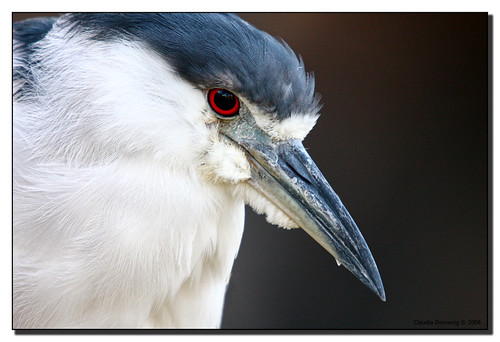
{"x": 489, "y": 6}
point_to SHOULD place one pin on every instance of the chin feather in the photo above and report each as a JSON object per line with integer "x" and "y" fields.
{"x": 261, "y": 205}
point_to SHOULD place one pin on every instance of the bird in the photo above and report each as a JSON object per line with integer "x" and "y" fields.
{"x": 138, "y": 139}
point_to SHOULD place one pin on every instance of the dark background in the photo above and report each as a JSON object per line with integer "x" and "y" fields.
{"x": 403, "y": 139}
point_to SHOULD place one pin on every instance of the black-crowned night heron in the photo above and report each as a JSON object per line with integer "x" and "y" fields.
{"x": 138, "y": 138}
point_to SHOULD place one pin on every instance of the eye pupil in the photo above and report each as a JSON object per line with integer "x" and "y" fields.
{"x": 223, "y": 102}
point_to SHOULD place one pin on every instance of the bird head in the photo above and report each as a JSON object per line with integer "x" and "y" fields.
{"x": 206, "y": 94}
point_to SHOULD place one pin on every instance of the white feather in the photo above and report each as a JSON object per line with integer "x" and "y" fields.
{"x": 109, "y": 196}
{"x": 128, "y": 210}
{"x": 296, "y": 126}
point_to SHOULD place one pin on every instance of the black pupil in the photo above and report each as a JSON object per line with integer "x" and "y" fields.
{"x": 225, "y": 100}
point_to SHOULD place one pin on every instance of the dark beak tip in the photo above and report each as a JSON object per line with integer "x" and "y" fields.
{"x": 377, "y": 287}
{"x": 381, "y": 294}
{"x": 372, "y": 279}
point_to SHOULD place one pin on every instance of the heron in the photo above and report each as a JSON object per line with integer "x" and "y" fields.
{"x": 138, "y": 139}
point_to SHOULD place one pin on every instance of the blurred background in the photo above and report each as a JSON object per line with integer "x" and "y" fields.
{"x": 403, "y": 139}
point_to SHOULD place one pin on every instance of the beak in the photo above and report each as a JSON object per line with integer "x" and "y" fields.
{"x": 285, "y": 173}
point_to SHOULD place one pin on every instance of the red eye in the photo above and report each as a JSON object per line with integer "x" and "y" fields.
{"x": 223, "y": 102}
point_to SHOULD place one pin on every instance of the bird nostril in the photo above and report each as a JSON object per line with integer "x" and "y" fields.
{"x": 298, "y": 170}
